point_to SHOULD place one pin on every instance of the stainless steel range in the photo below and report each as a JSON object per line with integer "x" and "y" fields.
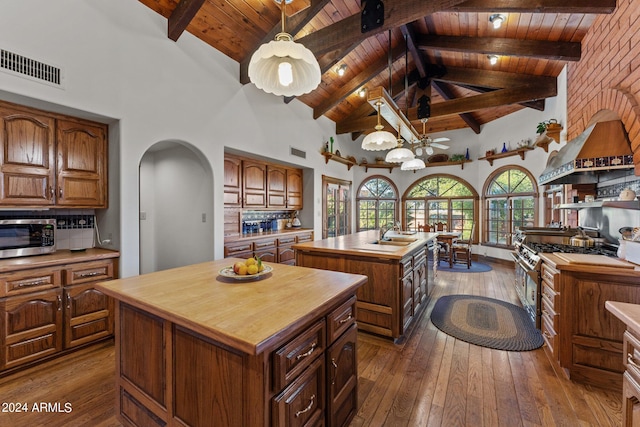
{"x": 529, "y": 242}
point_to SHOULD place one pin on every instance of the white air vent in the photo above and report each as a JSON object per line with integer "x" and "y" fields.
{"x": 297, "y": 152}
{"x": 30, "y": 68}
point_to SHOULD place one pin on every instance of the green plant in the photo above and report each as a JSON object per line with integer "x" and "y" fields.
{"x": 542, "y": 126}
{"x": 456, "y": 157}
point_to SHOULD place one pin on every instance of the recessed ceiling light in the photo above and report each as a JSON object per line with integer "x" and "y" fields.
{"x": 497, "y": 19}
{"x": 362, "y": 92}
{"x": 342, "y": 70}
{"x": 493, "y": 59}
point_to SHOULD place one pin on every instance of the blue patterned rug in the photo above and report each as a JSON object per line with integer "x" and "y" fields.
{"x": 486, "y": 322}
{"x": 476, "y": 267}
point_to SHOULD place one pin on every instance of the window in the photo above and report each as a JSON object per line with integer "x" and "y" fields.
{"x": 441, "y": 198}
{"x": 511, "y": 200}
{"x": 377, "y": 203}
{"x": 335, "y": 207}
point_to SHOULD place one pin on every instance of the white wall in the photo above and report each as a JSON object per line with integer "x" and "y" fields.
{"x": 120, "y": 67}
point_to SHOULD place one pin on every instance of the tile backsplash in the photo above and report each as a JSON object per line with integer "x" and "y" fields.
{"x": 74, "y": 227}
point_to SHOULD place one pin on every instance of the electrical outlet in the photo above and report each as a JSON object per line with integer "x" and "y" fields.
{"x": 204, "y": 217}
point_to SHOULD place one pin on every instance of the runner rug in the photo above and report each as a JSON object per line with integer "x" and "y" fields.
{"x": 486, "y": 322}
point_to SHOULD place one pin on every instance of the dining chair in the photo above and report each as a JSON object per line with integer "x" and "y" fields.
{"x": 462, "y": 249}
{"x": 444, "y": 252}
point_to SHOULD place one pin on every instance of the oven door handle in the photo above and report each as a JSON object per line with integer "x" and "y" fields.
{"x": 531, "y": 273}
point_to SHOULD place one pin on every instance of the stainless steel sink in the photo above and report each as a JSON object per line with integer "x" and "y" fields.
{"x": 393, "y": 242}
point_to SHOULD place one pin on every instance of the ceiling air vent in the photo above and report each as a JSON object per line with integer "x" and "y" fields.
{"x": 297, "y": 152}
{"x": 30, "y": 68}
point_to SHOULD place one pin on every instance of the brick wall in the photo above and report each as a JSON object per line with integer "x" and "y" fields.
{"x": 608, "y": 75}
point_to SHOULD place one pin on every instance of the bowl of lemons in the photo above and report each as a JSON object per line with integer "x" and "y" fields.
{"x": 249, "y": 269}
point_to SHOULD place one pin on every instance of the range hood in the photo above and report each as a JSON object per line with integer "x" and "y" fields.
{"x": 602, "y": 147}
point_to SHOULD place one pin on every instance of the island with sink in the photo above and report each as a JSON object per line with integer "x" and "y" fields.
{"x": 396, "y": 266}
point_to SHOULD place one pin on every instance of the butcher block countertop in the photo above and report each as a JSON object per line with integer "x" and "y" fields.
{"x": 627, "y": 313}
{"x": 61, "y": 256}
{"x": 245, "y": 315}
{"x": 362, "y": 244}
{"x": 597, "y": 264}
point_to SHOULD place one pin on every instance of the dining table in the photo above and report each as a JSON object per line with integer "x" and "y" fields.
{"x": 448, "y": 238}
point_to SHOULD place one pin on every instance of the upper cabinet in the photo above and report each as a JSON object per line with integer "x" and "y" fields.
{"x": 254, "y": 184}
{"x": 49, "y": 160}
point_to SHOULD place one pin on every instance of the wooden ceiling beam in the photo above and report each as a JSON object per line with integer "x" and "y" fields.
{"x": 560, "y": 51}
{"x": 491, "y": 78}
{"x": 537, "y": 6}
{"x": 536, "y": 105}
{"x": 294, "y": 24}
{"x": 347, "y": 31}
{"x": 181, "y": 16}
{"x": 372, "y": 70}
{"x": 447, "y": 94}
{"x": 458, "y": 106}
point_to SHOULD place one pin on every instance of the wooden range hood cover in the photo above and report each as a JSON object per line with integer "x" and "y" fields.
{"x": 604, "y": 146}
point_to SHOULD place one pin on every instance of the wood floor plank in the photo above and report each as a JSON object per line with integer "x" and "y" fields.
{"x": 429, "y": 379}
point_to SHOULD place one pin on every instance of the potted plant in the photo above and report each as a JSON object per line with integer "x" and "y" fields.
{"x": 551, "y": 124}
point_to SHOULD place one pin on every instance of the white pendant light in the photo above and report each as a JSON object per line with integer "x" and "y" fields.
{"x": 412, "y": 165}
{"x": 399, "y": 154}
{"x": 284, "y": 67}
{"x": 380, "y": 139}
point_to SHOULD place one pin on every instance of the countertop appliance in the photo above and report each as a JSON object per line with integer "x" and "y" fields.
{"x": 529, "y": 243}
{"x": 24, "y": 237}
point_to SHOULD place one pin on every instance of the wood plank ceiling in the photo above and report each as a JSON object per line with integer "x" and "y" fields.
{"x": 438, "y": 48}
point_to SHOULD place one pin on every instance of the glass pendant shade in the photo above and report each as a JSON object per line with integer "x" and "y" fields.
{"x": 429, "y": 150}
{"x": 379, "y": 140}
{"x": 399, "y": 155}
{"x": 284, "y": 68}
{"x": 412, "y": 165}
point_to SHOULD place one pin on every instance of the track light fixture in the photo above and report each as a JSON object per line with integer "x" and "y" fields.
{"x": 497, "y": 19}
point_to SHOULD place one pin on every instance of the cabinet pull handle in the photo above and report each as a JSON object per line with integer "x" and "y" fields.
{"x": 345, "y": 320}
{"x": 93, "y": 273}
{"x": 308, "y": 353}
{"x": 52, "y": 192}
{"x": 59, "y": 303}
{"x": 68, "y": 302}
{"x": 547, "y": 335}
{"x": 308, "y": 408}
{"x": 60, "y": 192}
{"x": 335, "y": 370}
{"x": 33, "y": 283}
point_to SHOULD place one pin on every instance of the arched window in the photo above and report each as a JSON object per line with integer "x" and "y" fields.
{"x": 441, "y": 198}
{"x": 511, "y": 201}
{"x": 377, "y": 203}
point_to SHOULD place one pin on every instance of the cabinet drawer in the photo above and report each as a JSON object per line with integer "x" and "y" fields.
{"x": 419, "y": 257}
{"x": 340, "y": 319}
{"x": 549, "y": 275}
{"x": 88, "y": 272}
{"x": 550, "y": 315}
{"x": 631, "y": 355}
{"x": 286, "y": 240}
{"x": 306, "y": 237}
{"x": 549, "y": 335}
{"x": 406, "y": 265}
{"x": 21, "y": 282}
{"x": 292, "y": 358}
{"x": 302, "y": 403}
{"x": 234, "y": 249}
{"x": 550, "y": 295}
{"x": 264, "y": 244}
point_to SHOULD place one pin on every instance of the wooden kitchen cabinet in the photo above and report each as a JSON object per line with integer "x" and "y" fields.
{"x": 277, "y": 248}
{"x": 342, "y": 401}
{"x": 51, "y": 160}
{"x": 232, "y": 181}
{"x": 31, "y": 327}
{"x": 254, "y": 184}
{"x": 294, "y": 189}
{"x": 276, "y": 186}
{"x": 50, "y": 310}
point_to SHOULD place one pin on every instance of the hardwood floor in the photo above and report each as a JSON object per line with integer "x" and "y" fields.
{"x": 431, "y": 379}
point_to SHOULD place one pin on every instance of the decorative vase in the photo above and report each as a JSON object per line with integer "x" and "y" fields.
{"x": 466, "y": 155}
{"x": 504, "y": 147}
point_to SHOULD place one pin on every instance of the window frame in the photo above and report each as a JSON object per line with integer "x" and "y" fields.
{"x": 377, "y": 200}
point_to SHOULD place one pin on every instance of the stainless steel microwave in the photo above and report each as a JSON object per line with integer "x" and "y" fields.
{"x": 24, "y": 237}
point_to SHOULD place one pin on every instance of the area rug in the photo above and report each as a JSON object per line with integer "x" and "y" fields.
{"x": 476, "y": 267}
{"x": 486, "y": 322}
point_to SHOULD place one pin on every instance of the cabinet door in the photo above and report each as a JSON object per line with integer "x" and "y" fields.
{"x": 88, "y": 315}
{"x": 82, "y": 164}
{"x": 276, "y": 187}
{"x": 27, "y": 159}
{"x": 630, "y": 401}
{"x": 232, "y": 181}
{"x": 254, "y": 183}
{"x": 407, "y": 298}
{"x": 286, "y": 255}
{"x": 294, "y": 189}
{"x": 420, "y": 272}
{"x": 342, "y": 371}
{"x": 31, "y": 327}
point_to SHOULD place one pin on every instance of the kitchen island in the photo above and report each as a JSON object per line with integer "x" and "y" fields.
{"x": 194, "y": 347}
{"x": 397, "y": 288}
{"x": 582, "y": 338}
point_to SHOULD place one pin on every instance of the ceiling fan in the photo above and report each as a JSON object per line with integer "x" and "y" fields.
{"x": 429, "y": 143}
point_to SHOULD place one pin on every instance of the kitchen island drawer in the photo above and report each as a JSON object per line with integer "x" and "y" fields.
{"x": 341, "y": 319}
{"x": 88, "y": 272}
{"x": 549, "y": 275}
{"x": 297, "y": 354}
{"x": 302, "y": 403}
{"x": 631, "y": 353}
{"x": 37, "y": 279}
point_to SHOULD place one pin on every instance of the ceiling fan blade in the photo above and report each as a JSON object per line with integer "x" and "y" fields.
{"x": 443, "y": 139}
{"x": 436, "y": 145}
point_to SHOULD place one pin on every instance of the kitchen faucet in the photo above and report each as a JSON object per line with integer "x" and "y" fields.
{"x": 385, "y": 228}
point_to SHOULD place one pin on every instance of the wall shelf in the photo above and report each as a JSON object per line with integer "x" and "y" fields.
{"x": 449, "y": 163}
{"x": 345, "y": 161}
{"x": 384, "y": 165}
{"x": 519, "y": 152}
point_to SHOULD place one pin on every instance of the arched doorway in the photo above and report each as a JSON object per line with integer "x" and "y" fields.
{"x": 176, "y": 207}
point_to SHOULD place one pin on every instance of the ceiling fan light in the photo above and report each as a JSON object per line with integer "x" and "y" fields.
{"x": 379, "y": 140}
{"x": 412, "y": 165}
{"x": 399, "y": 155}
{"x": 266, "y": 62}
{"x": 429, "y": 150}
